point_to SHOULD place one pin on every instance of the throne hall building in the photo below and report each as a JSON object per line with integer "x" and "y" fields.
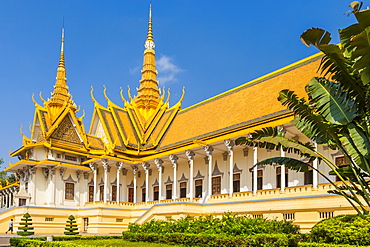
{"x": 144, "y": 159}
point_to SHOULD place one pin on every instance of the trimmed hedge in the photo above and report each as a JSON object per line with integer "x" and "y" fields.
{"x": 343, "y": 229}
{"x": 216, "y": 240}
{"x": 41, "y": 241}
{"x": 304, "y": 244}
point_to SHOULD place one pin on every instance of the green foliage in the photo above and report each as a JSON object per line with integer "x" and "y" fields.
{"x": 75, "y": 241}
{"x": 26, "y": 229}
{"x": 203, "y": 239}
{"x": 305, "y": 244}
{"x": 343, "y": 229}
{"x": 229, "y": 224}
{"x": 336, "y": 113}
{"x": 71, "y": 227}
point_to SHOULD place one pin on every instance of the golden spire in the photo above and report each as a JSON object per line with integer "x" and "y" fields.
{"x": 148, "y": 96}
{"x": 60, "y": 95}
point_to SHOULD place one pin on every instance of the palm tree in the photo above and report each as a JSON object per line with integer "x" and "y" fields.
{"x": 336, "y": 113}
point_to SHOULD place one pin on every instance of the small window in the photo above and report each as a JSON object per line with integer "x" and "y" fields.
{"x": 69, "y": 191}
{"x": 308, "y": 175}
{"x": 59, "y": 156}
{"x": 101, "y": 194}
{"x": 255, "y": 216}
{"x": 198, "y": 188}
{"x": 183, "y": 190}
{"x": 278, "y": 177}
{"x": 49, "y": 219}
{"x": 290, "y": 216}
{"x": 119, "y": 220}
{"x": 71, "y": 158}
{"x": 130, "y": 195}
{"x": 326, "y": 215}
{"x": 26, "y": 187}
{"x": 114, "y": 192}
{"x": 168, "y": 191}
{"x": 340, "y": 162}
{"x": 259, "y": 180}
{"x": 155, "y": 193}
{"x": 22, "y": 202}
{"x": 91, "y": 193}
{"x": 236, "y": 182}
{"x": 143, "y": 194}
{"x": 216, "y": 185}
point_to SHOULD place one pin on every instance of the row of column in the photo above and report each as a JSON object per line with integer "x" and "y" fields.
{"x": 7, "y": 198}
{"x": 190, "y": 157}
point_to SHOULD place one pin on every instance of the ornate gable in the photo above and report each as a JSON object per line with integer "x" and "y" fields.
{"x": 66, "y": 131}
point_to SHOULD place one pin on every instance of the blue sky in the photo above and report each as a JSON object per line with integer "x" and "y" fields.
{"x": 206, "y": 46}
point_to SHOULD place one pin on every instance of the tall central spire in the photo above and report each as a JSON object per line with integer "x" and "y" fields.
{"x": 60, "y": 96}
{"x": 148, "y": 96}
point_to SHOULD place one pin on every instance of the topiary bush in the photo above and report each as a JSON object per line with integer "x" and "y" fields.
{"x": 343, "y": 229}
{"x": 25, "y": 226}
{"x": 71, "y": 227}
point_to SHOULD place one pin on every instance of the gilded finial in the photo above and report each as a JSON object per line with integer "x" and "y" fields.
{"x": 92, "y": 94}
{"x": 105, "y": 92}
{"x": 122, "y": 97}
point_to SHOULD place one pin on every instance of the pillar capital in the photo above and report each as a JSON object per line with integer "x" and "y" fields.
{"x": 135, "y": 169}
{"x": 93, "y": 167}
{"x": 119, "y": 166}
{"x": 230, "y": 145}
{"x": 158, "y": 163}
{"x": 208, "y": 149}
{"x": 173, "y": 158}
{"x": 189, "y": 154}
{"x": 145, "y": 166}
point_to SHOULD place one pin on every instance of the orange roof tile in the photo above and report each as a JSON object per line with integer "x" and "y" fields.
{"x": 240, "y": 106}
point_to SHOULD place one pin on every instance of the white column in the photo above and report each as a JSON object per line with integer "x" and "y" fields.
{"x": 106, "y": 170}
{"x": 282, "y": 173}
{"x": 119, "y": 167}
{"x": 134, "y": 169}
{"x": 230, "y": 146}
{"x": 255, "y": 160}
{"x": 173, "y": 159}
{"x": 146, "y": 166}
{"x": 94, "y": 168}
{"x": 78, "y": 187}
{"x": 190, "y": 155}
{"x": 209, "y": 151}
{"x": 315, "y": 178}
{"x": 159, "y": 164}
{"x": 6, "y": 199}
{"x": 32, "y": 185}
{"x": 52, "y": 184}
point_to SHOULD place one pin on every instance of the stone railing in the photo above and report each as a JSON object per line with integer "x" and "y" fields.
{"x": 137, "y": 204}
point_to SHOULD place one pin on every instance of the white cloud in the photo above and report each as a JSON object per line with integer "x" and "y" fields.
{"x": 167, "y": 70}
{"x": 134, "y": 70}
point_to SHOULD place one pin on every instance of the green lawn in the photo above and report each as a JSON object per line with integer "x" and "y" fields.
{"x": 116, "y": 242}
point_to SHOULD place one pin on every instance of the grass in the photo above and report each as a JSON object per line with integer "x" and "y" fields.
{"x": 116, "y": 243}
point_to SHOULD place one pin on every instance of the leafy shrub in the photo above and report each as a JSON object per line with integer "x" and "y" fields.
{"x": 203, "y": 239}
{"x": 25, "y": 229}
{"x": 229, "y": 224}
{"x": 343, "y": 229}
